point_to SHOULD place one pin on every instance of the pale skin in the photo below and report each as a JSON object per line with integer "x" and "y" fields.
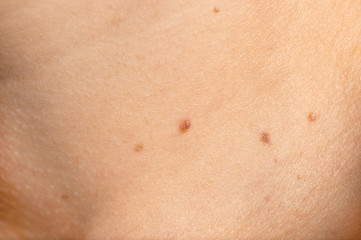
{"x": 179, "y": 119}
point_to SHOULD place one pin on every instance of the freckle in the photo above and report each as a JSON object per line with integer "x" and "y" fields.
{"x": 138, "y": 147}
{"x": 216, "y": 9}
{"x": 298, "y": 177}
{"x": 185, "y": 125}
{"x": 267, "y": 198}
{"x": 312, "y": 117}
{"x": 275, "y": 160}
{"x": 64, "y": 197}
{"x": 265, "y": 138}
{"x": 116, "y": 20}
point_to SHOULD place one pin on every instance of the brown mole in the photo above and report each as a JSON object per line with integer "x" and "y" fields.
{"x": 138, "y": 147}
{"x": 312, "y": 117}
{"x": 64, "y": 197}
{"x": 185, "y": 125}
{"x": 265, "y": 138}
{"x": 216, "y": 9}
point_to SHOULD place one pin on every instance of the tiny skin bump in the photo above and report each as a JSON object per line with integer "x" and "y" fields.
{"x": 185, "y": 125}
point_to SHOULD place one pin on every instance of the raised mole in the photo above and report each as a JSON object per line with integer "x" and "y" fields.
{"x": 312, "y": 117}
{"x": 185, "y": 125}
{"x": 265, "y": 138}
{"x": 216, "y": 9}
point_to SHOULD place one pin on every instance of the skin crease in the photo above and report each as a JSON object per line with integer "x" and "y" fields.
{"x": 184, "y": 119}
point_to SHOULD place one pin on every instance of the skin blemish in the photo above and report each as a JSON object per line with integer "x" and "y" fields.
{"x": 298, "y": 177}
{"x": 138, "y": 147}
{"x": 267, "y": 198}
{"x": 216, "y": 9}
{"x": 64, "y": 197}
{"x": 265, "y": 138}
{"x": 275, "y": 160}
{"x": 185, "y": 125}
{"x": 311, "y": 117}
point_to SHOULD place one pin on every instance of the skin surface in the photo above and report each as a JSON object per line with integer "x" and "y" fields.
{"x": 130, "y": 119}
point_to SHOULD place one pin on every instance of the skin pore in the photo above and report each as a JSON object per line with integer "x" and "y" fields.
{"x": 130, "y": 119}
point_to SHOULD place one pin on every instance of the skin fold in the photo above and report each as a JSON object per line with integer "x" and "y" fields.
{"x": 130, "y": 119}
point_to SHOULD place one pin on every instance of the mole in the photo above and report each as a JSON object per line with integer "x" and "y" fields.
{"x": 64, "y": 197}
{"x": 312, "y": 117}
{"x": 216, "y": 9}
{"x": 298, "y": 177}
{"x": 265, "y": 138}
{"x": 275, "y": 160}
{"x": 138, "y": 147}
{"x": 185, "y": 125}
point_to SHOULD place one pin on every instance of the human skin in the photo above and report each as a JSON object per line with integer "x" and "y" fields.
{"x": 184, "y": 119}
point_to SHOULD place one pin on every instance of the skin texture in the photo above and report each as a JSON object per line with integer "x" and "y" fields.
{"x": 180, "y": 119}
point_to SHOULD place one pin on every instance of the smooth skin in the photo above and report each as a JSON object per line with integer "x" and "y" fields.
{"x": 152, "y": 119}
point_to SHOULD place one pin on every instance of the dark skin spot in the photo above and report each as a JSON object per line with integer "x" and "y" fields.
{"x": 185, "y": 125}
{"x": 216, "y": 9}
{"x": 267, "y": 198}
{"x": 265, "y": 138}
{"x": 311, "y": 117}
{"x": 275, "y": 160}
{"x": 298, "y": 177}
{"x": 64, "y": 197}
{"x": 116, "y": 21}
{"x": 138, "y": 147}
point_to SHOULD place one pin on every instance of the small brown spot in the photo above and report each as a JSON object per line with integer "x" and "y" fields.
{"x": 185, "y": 125}
{"x": 298, "y": 177}
{"x": 275, "y": 160}
{"x": 265, "y": 138}
{"x": 216, "y": 9}
{"x": 117, "y": 20}
{"x": 138, "y": 147}
{"x": 312, "y": 117}
{"x": 64, "y": 197}
{"x": 267, "y": 198}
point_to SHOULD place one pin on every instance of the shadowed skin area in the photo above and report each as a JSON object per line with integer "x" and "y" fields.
{"x": 129, "y": 119}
